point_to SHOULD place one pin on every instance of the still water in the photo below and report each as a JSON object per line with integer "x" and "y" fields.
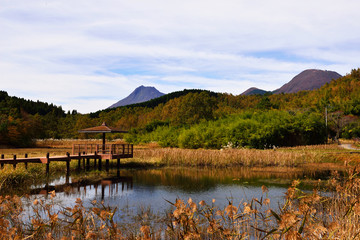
{"x": 153, "y": 188}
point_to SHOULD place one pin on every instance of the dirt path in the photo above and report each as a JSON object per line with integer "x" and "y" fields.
{"x": 348, "y": 146}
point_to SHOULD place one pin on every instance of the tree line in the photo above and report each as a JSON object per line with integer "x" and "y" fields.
{"x": 201, "y": 119}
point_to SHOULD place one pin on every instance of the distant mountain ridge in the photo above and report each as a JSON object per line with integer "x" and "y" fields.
{"x": 140, "y": 94}
{"x": 309, "y": 79}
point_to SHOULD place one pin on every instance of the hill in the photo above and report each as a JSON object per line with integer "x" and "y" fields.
{"x": 140, "y": 94}
{"x": 15, "y": 104}
{"x": 308, "y": 80}
{"x": 254, "y": 91}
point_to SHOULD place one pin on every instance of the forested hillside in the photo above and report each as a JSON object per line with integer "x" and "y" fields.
{"x": 22, "y": 120}
{"x": 203, "y": 119}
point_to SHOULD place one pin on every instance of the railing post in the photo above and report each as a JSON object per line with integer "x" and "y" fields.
{"x": 84, "y": 161}
{"x": 123, "y": 149}
{"x": 87, "y": 164}
{"x": 107, "y": 163}
{"x": 47, "y": 163}
{"x": 118, "y": 164}
{"x": 79, "y": 161}
{"x": 14, "y": 164}
{"x": 68, "y": 164}
{"x": 2, "y": 164}
{"x": 26, "y": 163}
{"x": 118, "y": 168}
{"x": 132, "y": 149}
{"x": 99, "y": 167}
{"x": 95, "y": 160}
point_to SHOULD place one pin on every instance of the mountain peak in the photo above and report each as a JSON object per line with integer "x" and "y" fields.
{"x": 140, "y": 94}
{"x": 309, "y": 79}
{"x": 254, "y": 91}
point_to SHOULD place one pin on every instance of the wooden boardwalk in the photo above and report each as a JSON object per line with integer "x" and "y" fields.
{"x": 80, "y": 152}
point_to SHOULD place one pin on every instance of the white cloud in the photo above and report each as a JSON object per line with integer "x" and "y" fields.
{"x": 87, "y": 54}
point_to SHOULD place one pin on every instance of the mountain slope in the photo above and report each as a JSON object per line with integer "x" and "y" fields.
{"x": 140, "y": 94}
{"x": 254, "y": 91}
{"x": 308, "y": 80}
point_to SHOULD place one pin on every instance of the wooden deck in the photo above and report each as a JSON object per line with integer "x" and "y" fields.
{"x": 79, "y": 152}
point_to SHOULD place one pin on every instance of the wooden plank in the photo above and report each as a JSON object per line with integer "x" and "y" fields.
{"x": 44, "y": 160}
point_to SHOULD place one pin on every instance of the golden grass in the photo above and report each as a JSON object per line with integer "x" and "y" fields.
{"x": 230, "y": 157}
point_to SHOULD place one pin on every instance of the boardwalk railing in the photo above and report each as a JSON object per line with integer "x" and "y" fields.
{"x": 114, "y": 149}
{"x": 80, "y": 152}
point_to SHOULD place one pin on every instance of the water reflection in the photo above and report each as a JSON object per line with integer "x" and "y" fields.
{"x": 82, "y": 187}
{"x": 204, "y": 179}
{"x": 136, "y": 188}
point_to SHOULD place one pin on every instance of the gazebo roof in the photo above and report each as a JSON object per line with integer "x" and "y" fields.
{"x": 102, "y": 129}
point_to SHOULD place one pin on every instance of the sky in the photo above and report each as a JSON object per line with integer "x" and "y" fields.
{"x": 88, "y": 54}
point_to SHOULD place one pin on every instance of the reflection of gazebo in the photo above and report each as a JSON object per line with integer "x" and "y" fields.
{"x": 106, "y": 148}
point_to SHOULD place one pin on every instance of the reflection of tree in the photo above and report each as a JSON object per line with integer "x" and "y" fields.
{"x": 338, "y": 120}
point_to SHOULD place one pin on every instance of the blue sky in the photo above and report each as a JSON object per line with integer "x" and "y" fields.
{"x": 88, "y": 54}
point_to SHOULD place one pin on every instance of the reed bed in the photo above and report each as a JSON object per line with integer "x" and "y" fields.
{"x": 229, "y": 157}
{"x": 334, "y": 215}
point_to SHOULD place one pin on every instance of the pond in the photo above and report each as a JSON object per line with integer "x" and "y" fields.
{"x": 137, "y": 189}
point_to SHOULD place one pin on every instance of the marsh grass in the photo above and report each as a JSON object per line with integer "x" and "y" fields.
{"x": 233, "y": 157}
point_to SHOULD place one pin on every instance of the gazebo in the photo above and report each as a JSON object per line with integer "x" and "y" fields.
{"x": 103, "y": 128}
